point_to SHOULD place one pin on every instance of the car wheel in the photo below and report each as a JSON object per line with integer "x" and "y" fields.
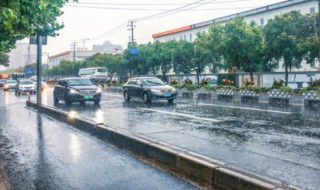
{"x": 19, "y": 93}
{"x": 126, "y": 96}
{"x": 67, "y": 101}
{"x": 96, "y": 102}
{"x": 170, "y": 101}
{"x": 55, "y": 99}
{"x": 145, "y": 98}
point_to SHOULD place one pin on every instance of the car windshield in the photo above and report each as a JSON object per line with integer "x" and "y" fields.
{"x": 11, "y": 82}
{"x": 102, "y": 70}
{"x": 26, "y": 82}
{"x": 79, "y": 82}
{"x": 152, "y": 82}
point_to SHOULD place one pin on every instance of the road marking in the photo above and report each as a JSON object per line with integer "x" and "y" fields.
{"x": 253, "y": 109}
{"x": 180, "y": 114}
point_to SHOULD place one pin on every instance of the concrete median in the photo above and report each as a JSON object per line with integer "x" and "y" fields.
{"x": 205, "y": 172}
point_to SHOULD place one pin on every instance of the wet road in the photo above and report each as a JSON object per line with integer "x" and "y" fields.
{"x": 40, "y": 153}
{"x": 278, "y": 142}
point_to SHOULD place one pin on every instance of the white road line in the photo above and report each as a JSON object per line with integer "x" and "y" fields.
{"x": 180, "y": 114}
{"x": 253, "y": 109}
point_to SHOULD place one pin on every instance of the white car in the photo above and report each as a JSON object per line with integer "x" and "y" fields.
{"x": 25, "y": 86}
{"x": 34, "y": 80}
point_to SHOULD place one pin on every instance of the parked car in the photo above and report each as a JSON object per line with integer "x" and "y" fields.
{"x": 76, "y": 90}
{"x": 10, "y": 84}
{"x": 2, "y": 82}
{"x": 149, "y": 89}
{"x": 25, "y": 86}
{"x": 34, "y": 80}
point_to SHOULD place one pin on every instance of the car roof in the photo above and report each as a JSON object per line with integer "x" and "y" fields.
{"x": 145, "y": 77}
{"x": 72, "y": 78}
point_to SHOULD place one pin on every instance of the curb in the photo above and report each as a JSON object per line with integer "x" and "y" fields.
{"x": 201, "y": 170}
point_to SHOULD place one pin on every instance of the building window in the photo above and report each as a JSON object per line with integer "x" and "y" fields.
{"x": 190, "y": 37}
{"x": 312, "y": 10}
{"x": 261, "y": 22}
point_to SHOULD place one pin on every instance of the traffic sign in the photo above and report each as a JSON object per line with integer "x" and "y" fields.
{"x": 33, "y": 40}
{"x": 134, "y": 51}
{"x": 28, "y": 71}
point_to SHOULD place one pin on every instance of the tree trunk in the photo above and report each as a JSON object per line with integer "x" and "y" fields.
{"x": 251, "y": 73}
{"x": 198, "y": 77}
{"x": 286, "y": 70}
{"x": 163, "y": 74}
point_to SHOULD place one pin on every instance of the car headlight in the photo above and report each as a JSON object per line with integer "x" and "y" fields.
{"x": 155, "y": 90}
{"x": 72, "y": 91}
{"x": 6, "y": 86}
{"x": 98, "y": 90}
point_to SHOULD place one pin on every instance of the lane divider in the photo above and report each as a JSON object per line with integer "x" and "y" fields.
{"x": 243, "y": 108}
{"x": 180, "y": 114}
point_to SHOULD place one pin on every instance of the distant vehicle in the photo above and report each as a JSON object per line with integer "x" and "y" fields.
{"x": 10, "y": 84}
{"x": 34, "y": 80}
{"x": 76, "y": 90}
{"x": 4, "y": 76}
{"x": 25, "y": 86}
{"x": 2, "y": 82}
{"x": 17, "y": 76}
{"x": 94, "y": 72}
{"x": 148, "y": 88}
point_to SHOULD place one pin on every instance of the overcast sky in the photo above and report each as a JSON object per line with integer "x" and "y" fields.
{"x": 93, "y": 18}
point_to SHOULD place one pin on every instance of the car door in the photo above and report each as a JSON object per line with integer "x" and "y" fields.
{"x": 130, "y": 87}
{"x": 139, "y": 88}
{"x": 60, "y": 89}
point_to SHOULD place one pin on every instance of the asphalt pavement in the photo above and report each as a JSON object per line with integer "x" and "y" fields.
{"x": 279, "y": 142}
{"x": 38, "y": 152}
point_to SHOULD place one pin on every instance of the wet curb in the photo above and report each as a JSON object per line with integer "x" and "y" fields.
{"x": 201, "y": 170}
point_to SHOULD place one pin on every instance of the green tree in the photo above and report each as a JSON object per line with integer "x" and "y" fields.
{"x": 4, "y": 59}
{"x": 242, "y": 45}
{"x": 183, "y": 56}
{"x": 162, "y": 56}
{"x": 22, "y": 18}
{"x": 214, "y": 40}
{"x": 289, "y": 37}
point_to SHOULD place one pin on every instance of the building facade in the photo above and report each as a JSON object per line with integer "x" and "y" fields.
{"x": 260, "y": 16}
{"x": 24, "y": 54}
{"x": 107, "y": 46}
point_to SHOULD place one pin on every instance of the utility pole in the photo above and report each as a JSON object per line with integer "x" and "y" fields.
{"x": 131, "y": 27}
{"x": 39, "y": 69}
{"x": 318, "y": 30}
{"x": 73, "y": 48}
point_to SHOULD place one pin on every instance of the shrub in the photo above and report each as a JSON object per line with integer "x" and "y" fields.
{"x": 277, "y": 84}
{"x": 265, "y": 89}
{"x": 208, "y": 87}
{"x": 228, "y": 87}
{"x": 248, "y": 82}
{"x": 315, "y": 83}
{"x": 187, "y": 82}
{"x": 174, "y": 82}
{"x": 226, "y": 79}
{"x": 191, "y": 87}
{"x": 254, "y": 88}
{"x": 205, "y": 81}
{"x": 285, "y": 89}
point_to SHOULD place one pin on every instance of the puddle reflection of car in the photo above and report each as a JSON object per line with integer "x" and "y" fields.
{"x": 25, "y": 87}
{"x": 10, "y": 84}
{"x": 76, "y": 90}
{"x": 149, "y": 89}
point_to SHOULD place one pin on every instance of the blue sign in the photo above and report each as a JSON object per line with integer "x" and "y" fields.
{"x": 134, "y": 51}
{"x": 28, "y": 71}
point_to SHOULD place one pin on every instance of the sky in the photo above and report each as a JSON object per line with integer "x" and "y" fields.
{"x": 94, "y": 19}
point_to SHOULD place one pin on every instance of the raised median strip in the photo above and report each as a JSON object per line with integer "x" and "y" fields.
{"x": 207, "y": 173}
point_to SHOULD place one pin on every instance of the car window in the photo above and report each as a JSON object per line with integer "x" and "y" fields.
{"x": 26, "y": 82}
{"x": 152, "y": 82}
{"x": 62, "y": 83}
{"x": 79, "y": 82}
{"x": 132, "y": 81}
{"x": 138, "y": 82}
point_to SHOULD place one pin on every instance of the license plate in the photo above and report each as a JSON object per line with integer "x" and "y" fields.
{"x": 167, "y": 95}
{"x": 88, "y": 97}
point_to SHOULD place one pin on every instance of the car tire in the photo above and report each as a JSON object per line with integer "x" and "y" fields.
{"x": 66, "y": 101}
{"x": 170, "y": 101}
{"x": 146, "y": 98}
{"x": 55, "y": 99}
{"x": 96, "y": 102}
{"x": 126, "y": 96}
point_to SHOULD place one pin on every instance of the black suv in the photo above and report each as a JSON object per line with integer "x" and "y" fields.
{"x": 76, "y": 90}
{"x": 148, "y": 88}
